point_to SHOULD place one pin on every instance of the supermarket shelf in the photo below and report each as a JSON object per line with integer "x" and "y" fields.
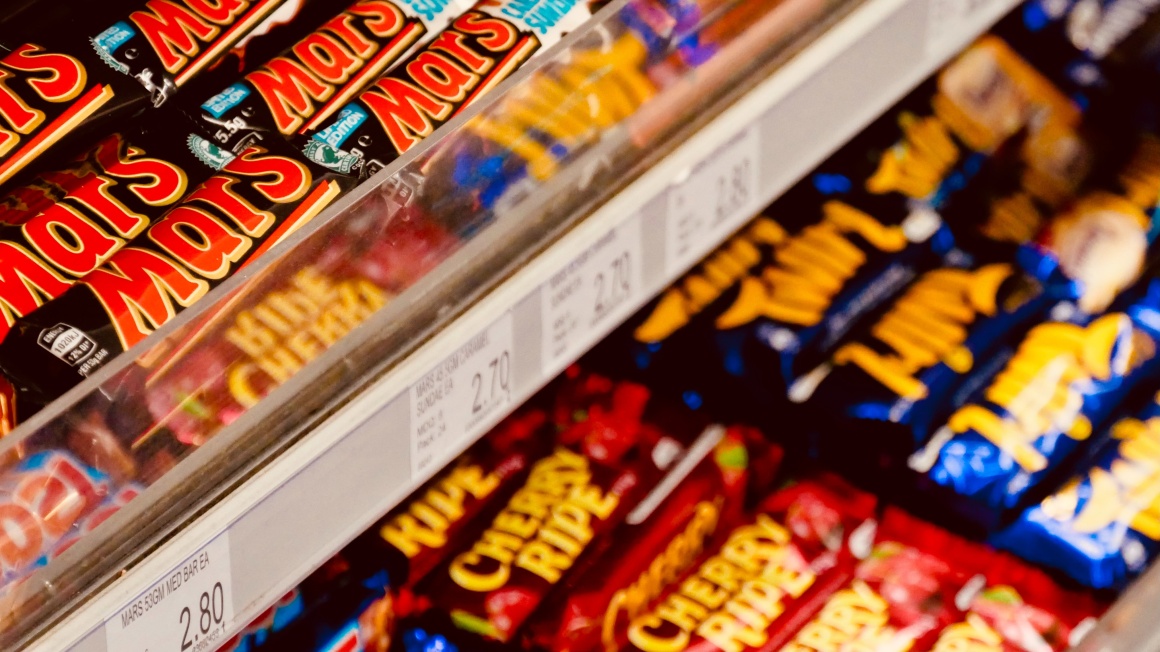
{"x": 285, "y": 518}
{"x": 1130, "y": 625}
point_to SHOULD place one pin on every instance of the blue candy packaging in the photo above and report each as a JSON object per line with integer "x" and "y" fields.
{"x": 1059, "y": 385}
{"x": 1102, "y": 528}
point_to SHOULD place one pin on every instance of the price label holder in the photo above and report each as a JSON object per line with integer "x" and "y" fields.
{"x": 596, "y": 289}
{"x": 190, "y": 610}
{"x": 713, "y": 200}
{"x": 460, "y": 397}
{"x": 951, "y": 21}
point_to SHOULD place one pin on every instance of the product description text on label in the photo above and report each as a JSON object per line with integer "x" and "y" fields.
{"x": 189, "y": 610}
{"x": 717, "y": 198}
{"x": 596, "y": 289}
{"x": 456, "y": 399}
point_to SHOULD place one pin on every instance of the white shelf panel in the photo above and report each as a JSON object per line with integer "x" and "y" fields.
{"x": 303, "y": 507}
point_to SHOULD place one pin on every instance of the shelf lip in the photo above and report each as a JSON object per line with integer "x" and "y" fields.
{"x": 515, "y": 304}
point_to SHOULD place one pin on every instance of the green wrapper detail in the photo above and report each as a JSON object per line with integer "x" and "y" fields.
{"x": 208, "y": 153}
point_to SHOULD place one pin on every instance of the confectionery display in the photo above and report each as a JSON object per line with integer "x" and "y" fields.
{"x": 913, "y": 404}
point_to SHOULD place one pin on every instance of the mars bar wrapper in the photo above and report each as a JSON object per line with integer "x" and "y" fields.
{"x": 74, "y": 83}
{"x": 307, "y": 83}
{"x": 259, "y": 198}
{"x": 478, "y": 50}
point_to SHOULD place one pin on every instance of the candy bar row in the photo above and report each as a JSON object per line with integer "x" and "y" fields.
{"x": 601, "y": 517}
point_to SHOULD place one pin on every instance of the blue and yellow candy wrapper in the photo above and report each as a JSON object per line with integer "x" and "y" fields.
{"x": 819, "y": 283}
{"x": 931, "y": 145}
{"x": 1060, "y": 384}
{"x": 1099, "y": 245}
{"x": 882, "y": 200}
{"x": 1088, "y": 47}
{"x": 1037, "y": 153}
{"x": 989, "y": 142}
{"x": 901, "y": 375}
{"x": 666, "y": 345}
{"x": 1102, "y": 528}
{"x": 563, "y": 108}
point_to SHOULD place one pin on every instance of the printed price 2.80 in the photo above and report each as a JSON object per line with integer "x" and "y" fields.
{"x": 211, "y": 613}
{"x": 733, "y": 189}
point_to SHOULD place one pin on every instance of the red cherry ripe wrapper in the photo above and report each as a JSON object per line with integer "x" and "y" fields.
{"x": 259, "y": 198}
{"x": 238, "y": 358}
{"x": 1018, "y": 609}
{"x": 610, "y": 408}
{"x": 663, "y": 538}
{"x": 234, "y": 358}
{"x": 793, "y": 551}
{"x": 310, "y": 80}
{"x": 492, "y": 587}
{"x": 900, "y": 597}
{"x": 419, "y": 535}
{"x": 572, "y": 497}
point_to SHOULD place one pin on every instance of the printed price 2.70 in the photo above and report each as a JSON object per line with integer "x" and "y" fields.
{"x": 613, "y": 284}
{"x": 491, "y": 383}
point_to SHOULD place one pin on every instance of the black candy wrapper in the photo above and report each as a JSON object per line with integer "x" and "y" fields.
{"x": 74, "y": 73}
{"x": 257, "y": 199}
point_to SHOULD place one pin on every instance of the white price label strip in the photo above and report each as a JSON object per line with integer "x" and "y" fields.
{"x": 597, "y": 288}
{"x": 190, "y": 610}
{"x": 717, "y": 197}
{"x": 452, "y": 402}
{"x": 951, "y": 21}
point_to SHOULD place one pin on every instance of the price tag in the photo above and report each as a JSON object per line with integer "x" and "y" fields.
{"x": 596, "y": 289}
{"x": 954, "y": 22}
{"x": 455, "y": 400}
{"x": 190, "y": 610}
{"x": 718, "y": 197}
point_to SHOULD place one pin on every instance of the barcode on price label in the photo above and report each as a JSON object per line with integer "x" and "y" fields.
{"x": 459, "y": 397}
{"x": 717, "y": 198}
{"x": 596, "y": 288}
{"x": 953, "y": 22}
{"x": 189, "y": 610}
